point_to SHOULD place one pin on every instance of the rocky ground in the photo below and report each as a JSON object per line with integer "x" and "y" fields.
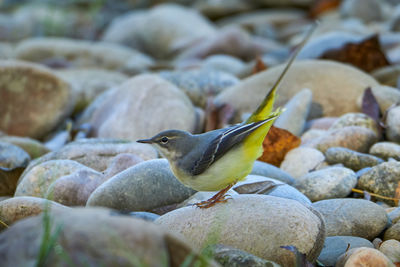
{"x": 81, "y": 81}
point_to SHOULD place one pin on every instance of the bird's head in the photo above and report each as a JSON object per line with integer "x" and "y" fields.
{"x": 172, "y": 144}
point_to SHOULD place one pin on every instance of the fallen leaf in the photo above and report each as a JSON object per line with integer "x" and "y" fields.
{"x": 370, "y": 106}
{"x": 217, "y": 117}
{"x": 276, "y": 144}
{"x": 366, "y": 55}
{"x": 259, "y": 66}
{"x": 321, "y": 6}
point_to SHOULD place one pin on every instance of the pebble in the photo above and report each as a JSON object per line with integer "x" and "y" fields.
{"x": 356, "y": 119}
{"x": 21, "y": 83}
{"x": 254, "y": 184}
{"x": 13, "y": 161}
{"x": 18, "y": 208}
{"x": 233, "y": 257}
{"x": 147, "y": 216}
{"x": 386, "y": 150}
{"x": 86, "y": 235}
{"x": 89, "y": 83}
{"x": 120, "y": 163}
{"x": 335, "y": 87}
{"x": 269, "y": 170}
{"x": 225, "y": 63}
{"x": 199, "y": 85}
{"x": 363, "y": 257}
{"x": 386, "y": 96}
{"x": 365, "y": 10}
{"x": 393, "y": 124}
{"x": 75, "y": 188}
{"x": 351, "y": 159}
{"x": 352, "y": 217}
{"x": 323, "y": 123}
{"x": 331, "y": 182}
{"x": 33, "y": 147}
{"x": 97, "y": 154}
{"x": 296, "y": 112}
{"x": 157, "y": 31}
{"x": 124, "y": 112}
{"x": 274, "y": 222}
{"x": 301, "y": 160}
{"x": 356, "y": 138}
{"x": 143, "y": 187}
{"x": 83, "y": 54}
{"x": 335, "y": 246}
{"x": 394, "y": 215}
{"x": 382, "y": 179}
{"x": 393, "y": 232}
{"x": 36, "y": 181}
{"x": 391, "y": 248}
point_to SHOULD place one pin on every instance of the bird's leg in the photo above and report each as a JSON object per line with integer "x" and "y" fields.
{"x": 218, "y": 197}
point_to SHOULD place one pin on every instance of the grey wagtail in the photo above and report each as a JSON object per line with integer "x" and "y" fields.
{"x": 218, "y": 159}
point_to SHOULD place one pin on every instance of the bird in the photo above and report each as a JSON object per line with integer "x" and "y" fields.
{"x": 218, "y": 159}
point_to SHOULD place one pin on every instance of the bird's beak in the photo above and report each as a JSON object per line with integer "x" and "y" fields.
{"x": 145, "y": 141}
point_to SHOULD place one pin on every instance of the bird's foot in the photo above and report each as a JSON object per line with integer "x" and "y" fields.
{"x": 220, "y": 197}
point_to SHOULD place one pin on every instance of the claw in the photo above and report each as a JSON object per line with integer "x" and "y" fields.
{"x": 219, "y": 197}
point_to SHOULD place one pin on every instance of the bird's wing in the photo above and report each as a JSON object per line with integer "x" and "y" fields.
{"x": 222, "y": 143}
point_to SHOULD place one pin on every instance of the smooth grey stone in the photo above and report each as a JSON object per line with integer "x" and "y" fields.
{"x": 296, "y": 112}
{"x": 224, "y": 63}
{"x": 353, "y": 217}
{"x": 393, "y": 124}
{"x": 147, "y": 216}
{"x": 335, "y": 246}
{"x": 394, "y": 215}
{"x": 301, "y": 160}
{"x": 233, "y": 257}
{"x": 143, "y": 187}
{"x": 386, "y": 150}
{"x": 92, "y": 237}
{"x": 199, "y": 85}
{"x": 12, "y": 157}
{"x": 269, "y": 222}
{"x": 33, "y": 147}
{"x": 356, "y": 119}
{"x": 269, "y": 170}
{"x": 350, "y": 158}
{"x": 391, "y": 248}
{"x": 330, "y": 182}
{"x": 382, "y": 179}
{"x": 362, "y": 171}
{"x": 272, "y": 187}
{"x": 365, "y": 10}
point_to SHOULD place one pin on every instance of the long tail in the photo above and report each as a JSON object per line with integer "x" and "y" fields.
{"x": 264, "y": 110}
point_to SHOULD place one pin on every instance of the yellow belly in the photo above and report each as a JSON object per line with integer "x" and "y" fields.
{"x": 233, "y": 167}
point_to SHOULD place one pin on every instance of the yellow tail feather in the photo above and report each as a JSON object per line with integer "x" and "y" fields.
{"x": 265, "y": 108}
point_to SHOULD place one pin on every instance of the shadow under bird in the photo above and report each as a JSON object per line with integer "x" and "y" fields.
{"x": 218, "y": 159}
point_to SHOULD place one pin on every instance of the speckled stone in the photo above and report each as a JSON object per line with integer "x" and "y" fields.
{"x": 351, "y": 159}
{"x": 382, "y": 179}
{"x": 353, "y": 217}
{"x": 391, "y": 248}
{"x": 386, "y": 150}
{"x": 393, "y": 232}
{"x": 331, "y": 182}
{"x": 233, "y": 257}
{"x": 356, "y": 119}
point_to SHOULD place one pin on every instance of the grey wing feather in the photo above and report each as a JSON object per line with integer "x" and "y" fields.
{"x": 222, "y": 143}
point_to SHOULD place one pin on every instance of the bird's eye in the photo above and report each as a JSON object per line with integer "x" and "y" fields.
{"x": 164, "y": 140}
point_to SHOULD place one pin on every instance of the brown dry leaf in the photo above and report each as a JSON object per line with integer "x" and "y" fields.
{"x": 321, "y": 6}
{"x": 397, "y": 194}
{"x": 276, "y": 144}
{"x": 370, "y": 106}
{"x": 366, "y": 55}
{"x": 259, "y": 66}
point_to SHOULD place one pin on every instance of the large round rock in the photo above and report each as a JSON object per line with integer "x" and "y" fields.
{"x": 34, "y": 100}
{"x": 335, "y": 87}
{"x": 93, "y": 237}
{"x": 141, "y": 107}
{"x": 257, "y": 224}
{"x": 143, "y": 187}
{"x": 353, "y": 217}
